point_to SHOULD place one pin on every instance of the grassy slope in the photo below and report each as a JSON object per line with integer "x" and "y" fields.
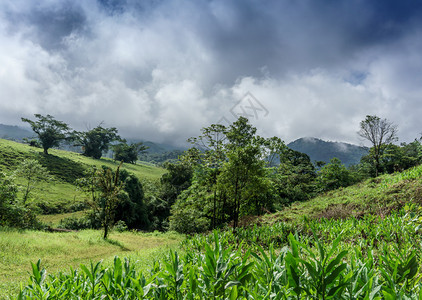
{"x": 61, "y": 196}
{"x": 59, "y": 251}
{"x": 374, "y": 196}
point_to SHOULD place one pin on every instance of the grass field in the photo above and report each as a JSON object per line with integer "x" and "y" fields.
{"x": 59, "y": 251}
{"x": 61, "y": 195}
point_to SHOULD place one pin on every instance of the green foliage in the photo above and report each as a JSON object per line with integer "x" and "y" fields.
{"x": 106, "y": 191}
{"x": 95, "y": 141}
{"x": 74, "y": 223}
{"x": 333, "y": 176}
{"x": 317, "y": 264}
{"x": 128, "y": 153}
{"x": 120, "y": 226}
{"x": 294, "y": 178}
{"x": 50, "y": 131}
{"x": 380, "y": 133}
{"x": 230, "y": 177}
{"x": 131, "y": 208}
{"x": 32, "y": 172}
{"x": 12, "y": 212}
{"x": 127, "y": 206}
{"x": 177, "y": 179}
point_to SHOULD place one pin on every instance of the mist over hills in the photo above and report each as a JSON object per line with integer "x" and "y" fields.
{"x": 15, "y": 133}
{"x": 319, "y": 150}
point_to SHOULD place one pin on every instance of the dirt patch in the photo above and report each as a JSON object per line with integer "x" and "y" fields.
{"x": 341, "y": 211}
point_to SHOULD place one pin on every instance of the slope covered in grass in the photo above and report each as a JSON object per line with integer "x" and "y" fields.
{"x": 377, "y": 196}
{"x": 60, "y": 195}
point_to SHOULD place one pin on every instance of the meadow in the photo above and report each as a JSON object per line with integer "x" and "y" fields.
{"x": 359, "y": 242}
{"x": 61, "y": 250}
{"x": 368, "y": 258}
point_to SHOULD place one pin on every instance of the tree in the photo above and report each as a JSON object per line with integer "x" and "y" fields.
{"x": 12, "y": 212}
{"x": 95, "y": 141}
{"x": 230, "y": 177}
{"x": 128, "y": 153}
{"x": 243, "y": 175}
{"x": 212, "y": 140}
{"x": 131, "y": 208}
{"x": 50, "y": 131}
{"x": 294, "y": 178}
{"x": 106, "y": 191}
{"x": 32, "y": 172}
{"x": 379, "y": 132}
{"x": 333, "y": 175}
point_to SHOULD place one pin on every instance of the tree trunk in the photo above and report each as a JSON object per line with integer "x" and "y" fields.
{"x": 105, "y": 232}
{"x": 46, "y": 151}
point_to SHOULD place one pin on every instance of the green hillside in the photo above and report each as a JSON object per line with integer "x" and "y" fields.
{"x": 377, "y": 196}
{"x": 61, "y": 195}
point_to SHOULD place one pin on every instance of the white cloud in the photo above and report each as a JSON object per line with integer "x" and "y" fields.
{"x": 165, "y": 70}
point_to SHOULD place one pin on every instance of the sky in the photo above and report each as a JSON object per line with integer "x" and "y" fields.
{"x": 162, "y": 70}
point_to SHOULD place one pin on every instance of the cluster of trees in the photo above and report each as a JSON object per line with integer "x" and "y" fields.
{"x": 234, "y": 172}
{"x": 94, "y": 142}
{"x": 229, "y": 172}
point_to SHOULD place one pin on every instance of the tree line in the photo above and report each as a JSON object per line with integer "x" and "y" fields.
{"x": 51, "y": 132}
{"x": 235, "y": 173}
{"x": 228, "y": 173}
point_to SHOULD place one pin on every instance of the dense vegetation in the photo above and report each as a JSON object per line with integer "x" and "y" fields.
{"x": 339, "y": 232}
{"x": 314, "y": 259}
{"x": 236, "y": 173}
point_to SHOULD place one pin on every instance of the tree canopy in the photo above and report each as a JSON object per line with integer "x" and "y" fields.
{"x": 95, "y": 141}
{"x": 128, "y": 153}
{"x": 380, "y": 132}
{"x": 49, "y": 130}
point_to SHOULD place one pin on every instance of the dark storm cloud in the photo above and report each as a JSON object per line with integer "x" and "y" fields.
{"x": 163, "y": 69}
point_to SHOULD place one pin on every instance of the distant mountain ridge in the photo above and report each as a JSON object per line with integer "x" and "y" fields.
{"x": 16, "y": 133}
{"x": 320, "y": 150}
{"x": 317, "y": 149}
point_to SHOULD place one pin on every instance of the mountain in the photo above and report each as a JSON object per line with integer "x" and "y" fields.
{"x": 319, "y": 150}
{"x": 14, "y": 133}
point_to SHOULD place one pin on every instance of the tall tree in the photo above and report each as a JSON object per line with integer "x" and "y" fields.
{"x": 95, "y": 141}
{"x": 243, "y": 174}
{"x": 50, "y": 131}
{"x": 212, "y": 140}
{"x": 379, "y": 132}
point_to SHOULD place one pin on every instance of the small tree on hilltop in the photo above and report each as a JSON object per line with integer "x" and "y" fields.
{"x": 50, "y": 131}
{"x": 380, "y": 132}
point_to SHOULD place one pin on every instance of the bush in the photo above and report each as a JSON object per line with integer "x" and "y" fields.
{"x": 74, "y": 223}
{"x": 13, "y": 213}
{"x": 120, "y": 226}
